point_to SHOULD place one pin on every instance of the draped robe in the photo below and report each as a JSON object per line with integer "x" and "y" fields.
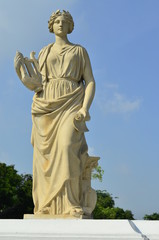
{"x": 60, "y": 151}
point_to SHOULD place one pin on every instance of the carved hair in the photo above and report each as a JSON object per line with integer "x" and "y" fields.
{"x": 66, "y": 15}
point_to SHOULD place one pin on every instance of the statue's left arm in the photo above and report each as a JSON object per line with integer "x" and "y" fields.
{"x": 89, "y": 88}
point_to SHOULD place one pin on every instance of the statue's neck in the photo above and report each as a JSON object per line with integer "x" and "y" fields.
{"x": 61, "y": 41}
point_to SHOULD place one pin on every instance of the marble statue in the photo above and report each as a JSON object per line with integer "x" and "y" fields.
{"x": 64, "y": 87}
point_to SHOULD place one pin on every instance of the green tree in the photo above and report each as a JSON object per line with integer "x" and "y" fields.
{"x": 9, "y": 183}
{"x": 154, "y": 216}
{"x": 105, "y": 208}
{"x": 25, "y": 193}
{"x": 98, "y": 173}
{"x": 15, "y": 193}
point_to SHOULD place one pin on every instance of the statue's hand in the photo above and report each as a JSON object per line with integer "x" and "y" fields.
{"x": 82, "y": 115}
{"x": 79, "y": 120}
{"x": 27, "y": 70}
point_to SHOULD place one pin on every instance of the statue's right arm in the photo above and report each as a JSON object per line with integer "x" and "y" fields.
{"x": 31, "y": 77}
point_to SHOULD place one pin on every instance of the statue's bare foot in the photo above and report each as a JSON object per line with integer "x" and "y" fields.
{"x": 76, "y": 212}
{"x": 45, "y": 211}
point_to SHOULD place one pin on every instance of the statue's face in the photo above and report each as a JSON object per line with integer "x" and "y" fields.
{"x": 61, "y": 26}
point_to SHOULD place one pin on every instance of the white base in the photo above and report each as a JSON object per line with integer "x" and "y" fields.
{"x": 59, "y": 229}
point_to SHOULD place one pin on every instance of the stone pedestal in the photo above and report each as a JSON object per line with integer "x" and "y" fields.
{"x": 60, "y": 229}
{"x": 48, "y": 216}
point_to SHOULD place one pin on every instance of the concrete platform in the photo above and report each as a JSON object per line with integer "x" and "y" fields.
{"x": 148, "y": 228}
{"x": 72, "y": 229}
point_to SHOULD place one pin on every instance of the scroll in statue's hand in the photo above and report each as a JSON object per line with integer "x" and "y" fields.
{"x": 82, "y": 115}
{"x": 79, "y": 120}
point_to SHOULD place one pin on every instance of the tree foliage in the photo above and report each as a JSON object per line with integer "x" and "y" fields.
{"x": 154, "y": 216}
{"x": 98, "y": 173}
{"x": 105, "y": 208}
{"x": 15, "y": 193}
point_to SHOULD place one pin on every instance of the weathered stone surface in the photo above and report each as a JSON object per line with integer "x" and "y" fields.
{"x": 64, "y": 88}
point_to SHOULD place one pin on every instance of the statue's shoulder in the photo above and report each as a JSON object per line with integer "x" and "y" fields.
{"x": 81, "y": 49}
{"x": 43, "y": 55}
{"x": 79, "y": 46}
{"x": 45, "y": 49}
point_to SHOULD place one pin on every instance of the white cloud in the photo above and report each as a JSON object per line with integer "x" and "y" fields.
{"x": 112, "y": 101}
{"x": 120, "y": 104}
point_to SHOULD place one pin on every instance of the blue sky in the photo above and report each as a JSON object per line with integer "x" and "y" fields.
{"x": 122, "y": 39}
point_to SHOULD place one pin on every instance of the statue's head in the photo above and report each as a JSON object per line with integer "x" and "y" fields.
{"x": 67, "y": 16}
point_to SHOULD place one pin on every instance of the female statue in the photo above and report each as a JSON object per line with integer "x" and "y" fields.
{"x": 64, "y": 89}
